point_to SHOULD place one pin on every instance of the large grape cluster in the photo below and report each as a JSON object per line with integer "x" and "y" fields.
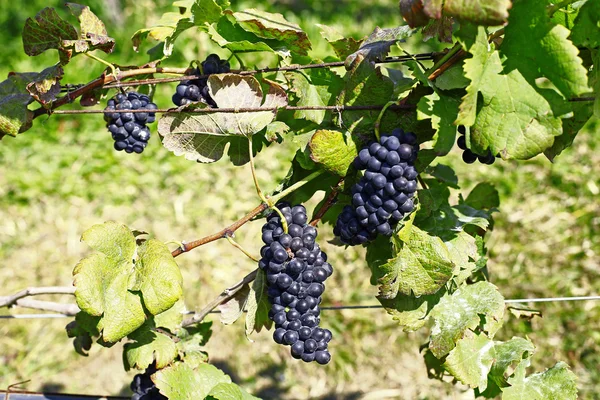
{"x": 143, "y": 388}
{"x": 383, "y": 195}
{"x": 129, "y": 130}
{"x": 190, "y": 91}
{"x": 468, "y": 155}
{"x": 296, "y": 269}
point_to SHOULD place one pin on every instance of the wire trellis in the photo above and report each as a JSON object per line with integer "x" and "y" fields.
{"x": 297, "y": 67}
{"x": 339, "y": 308}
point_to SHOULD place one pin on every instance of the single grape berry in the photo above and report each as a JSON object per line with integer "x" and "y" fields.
{"x": 295, "y": 268}
{"x": 468, "y": 155}
{"x": 129, "y": 130}
{"x": 194, "y": 90}
{"x": 383, "y": 195}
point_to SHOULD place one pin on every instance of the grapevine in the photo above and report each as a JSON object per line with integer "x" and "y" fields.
{"x": 510, "y": 77}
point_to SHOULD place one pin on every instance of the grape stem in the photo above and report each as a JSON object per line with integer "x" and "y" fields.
{"x": 380, "y": 117}
{"x": 187, "y": 246}
{"x": 109, "y": 65}
{"x": 253, "y": 169}
{"x": 238, "y": 246}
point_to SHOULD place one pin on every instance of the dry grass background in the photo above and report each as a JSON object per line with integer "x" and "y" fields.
{"x": 63, "y": 176}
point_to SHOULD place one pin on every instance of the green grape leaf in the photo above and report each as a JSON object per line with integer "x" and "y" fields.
{"x": 439, "y": 218}
{"x": 465, "y": 254}
{"x": 453, "y": 78}
{"x": 341, "y": 45}
{"x": 444, "y": 174}
{"x": 198, "y": 13}
{"x": 48, "y": 31}
{"x": 483, "y": 196}
{"x": 334, "y": 150}
{"x": 442, "y": 110}
{"x": 181, "y": 382}
{"x": 420, "y": 265}
{"x": 229, "y": 391}
{"x": 206, "y": 137}
{"x": 147, "y": 347}
{"x": 314, "y": 87}
{"x": 477, "y": 359}
{"x": 556, "y": 383}
{"x": 377, "y": 46}
{"x": 365, "y": 85}
{"x": 191, "y": 343}
{"x": 481, "y": 12}
{"x": 157, "y": 276}
{"x": 572, "y": 127}
{"x": 440, "y": 29}
{"x": 537, "y": 47}
{"x": 46, "y": 87}
{"x": 171, "y": 319}
{"x": 411, "y": 312}
{"x": 233, "y": 308}
{"x": 470, "y": 307}
{"x": 92, "y": 32}
{"x": 586, "y": 30}
{"x": 233, "y": 37}
{"x": 276, "y": 130}
{"x": 513, "y": 120}
{"x": 273, "y": 27}
{"x": 508, "y": 355}
{"x": 258, "y": 305}
{"x": 164, "y": 28}
{"x": 106, "y": 279}
{"x": 15, "y": 117}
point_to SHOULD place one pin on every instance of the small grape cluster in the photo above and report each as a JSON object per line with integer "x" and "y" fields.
{"x": 383, "y": 195}
{"x": 296, "y": 269}
{"x": 143, "y": 388}
{"x": 129, "y": 130}
{"x": 190, "y": 91}
{"x": 468, "y": 156}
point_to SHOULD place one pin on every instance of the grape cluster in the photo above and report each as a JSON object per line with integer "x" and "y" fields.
{"x": 468, "y": 156}
{"x": 296, "y": 269}
{"x": 193, "y": 90}
{"x": 383, "y": 195}
{"x": 129, "y": 130}
{"x": 143, "y": 387}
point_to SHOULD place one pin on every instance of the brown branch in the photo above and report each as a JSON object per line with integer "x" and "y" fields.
{"x": 222, "y": 233}
{"x": 8, "y": 301}
{"x": 66, "y": 309}
{"x": 101, "y": 81}
{"x": 329, "y": 201}
{"x": 237, "y": 110}
{"x": 445, "y": 66}
{"x": 225, "y": 296}
{"x": 151, "y": 81}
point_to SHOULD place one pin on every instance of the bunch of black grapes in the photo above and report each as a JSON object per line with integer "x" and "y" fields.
{"x": 296, "y": 269}
{"x": 143, "y": 388}
{"x": 383, "y": 195}
{"x": 193, "y": 90}
{"x": 129, "y": 130}
{"x": 468, "y": 156}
